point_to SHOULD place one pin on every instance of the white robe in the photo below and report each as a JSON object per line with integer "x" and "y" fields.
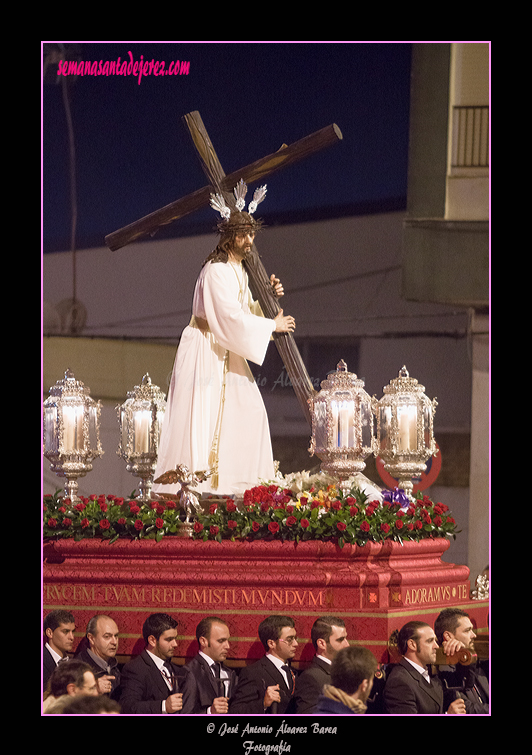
{"x": 237, "y": 331}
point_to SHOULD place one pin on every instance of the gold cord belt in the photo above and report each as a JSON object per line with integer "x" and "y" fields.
{"x": 199, "y": 323}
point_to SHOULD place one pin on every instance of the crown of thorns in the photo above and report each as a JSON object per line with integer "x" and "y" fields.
{"x": 235, "y": 221}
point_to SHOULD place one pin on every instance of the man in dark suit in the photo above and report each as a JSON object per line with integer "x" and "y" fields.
{"x": 58, "y": 628}
{"x": 149, "y": 682}
{"x": 267, "y": 686}
{"x": 208, "y": 683}
{"x": 99, "y": 650}
{"x": 454, "y": 631}
{"x": 328, "y": 635}
{"x": 409, "y": 689}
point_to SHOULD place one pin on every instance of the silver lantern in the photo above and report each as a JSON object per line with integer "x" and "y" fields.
{"x": 71, "y": 431}
{"x": 140, "y": 418}
{"x": 405, "y": 433}
{"x": 342, "y": 424}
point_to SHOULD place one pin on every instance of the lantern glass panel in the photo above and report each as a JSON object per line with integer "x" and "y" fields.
{"x": 366, "y": 426}
{"x": 385, "y": 427}
{"x": 320, "y": 424}
{"x": 343, "y": 413}
{"x": 51, "y": 439}
{"x": 407, "y": 425}
{"x": 427, "y": 416}
{"x": 93, "y": 423}
{"x": 142, "y": 423}
{"x": 73, "y": 436}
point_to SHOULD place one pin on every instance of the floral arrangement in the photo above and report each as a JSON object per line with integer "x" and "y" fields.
{"x": 108, "y": 517}
{"x": 274, "y": 512}
{"x": 296, "y": 508}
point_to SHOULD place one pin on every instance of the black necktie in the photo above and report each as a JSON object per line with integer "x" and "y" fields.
{"x": 216, "y": 669}
{"x": 288, "y": 671}
{"x": 168, "y": 672}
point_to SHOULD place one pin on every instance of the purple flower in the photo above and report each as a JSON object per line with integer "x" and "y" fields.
{"x": 397, "y": 496}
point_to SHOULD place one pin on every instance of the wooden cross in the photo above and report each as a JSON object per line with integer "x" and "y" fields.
{"x": 220, "y": 183}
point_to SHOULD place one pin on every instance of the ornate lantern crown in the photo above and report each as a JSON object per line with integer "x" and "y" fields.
{"x": 71, "y": 433}
{"x": 342, "y": 423}
{"x": 405, "y": 437}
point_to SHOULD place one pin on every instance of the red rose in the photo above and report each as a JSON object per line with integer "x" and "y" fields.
{"x": 289, "y": 509}
{"x": 93, "y": 497}
{"x": 52, "y": 522}
{"x": 119, "y": 501}
{"x": 198, "y": 526}
{"x": 303, "y": 500}
{"x": 67, "y": 522}
{"x": 231, "y": 505}
{"x": 305, "y": 523}
{"x": 232, "y": 524}
{"x": 138, "y": 525}
{"x": 213, "y": 529}
{"x": 104, "y": 524}
{"x": 212, "y": 508}
{"x": 410, "y": 526}
{"x": 121, "y": 521}
{"x": 80, "y": 506}
{"x": 341, "y": 526}
{"x": 353, "y": 511}
{"x": 85, "y": 523}
{"x": 255, "y": 526}
{"x": 350, "y": 500}
{"x": 133, "y": 509}
{"x": 336, "y": 505}
{"x": 291, "y": 521}
{"x": 438, "y": 521}
{"x": 419, "y": 525}
{"x": 273, "y": 527}
{"x": 170, "y": 504}
{"x": 385, "y": 527}
{"x": 365, "y": 526}
{"x": 159, "y": 523}
{"x": 399, "y": 524}
{"x": 62, "y": 509}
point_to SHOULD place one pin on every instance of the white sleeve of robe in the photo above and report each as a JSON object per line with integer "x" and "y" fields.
{"x": 231, "y": 322}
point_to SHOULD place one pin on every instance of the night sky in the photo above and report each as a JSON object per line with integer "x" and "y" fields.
{"x": 133, "y": 155}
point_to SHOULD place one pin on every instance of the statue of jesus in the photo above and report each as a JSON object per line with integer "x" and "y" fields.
{"x": 215, "y": 418}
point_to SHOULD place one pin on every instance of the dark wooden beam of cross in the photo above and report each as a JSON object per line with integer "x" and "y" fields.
{"x": 220, "y": 182}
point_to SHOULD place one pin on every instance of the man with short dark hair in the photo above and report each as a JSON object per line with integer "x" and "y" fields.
{"x": 267, "y": 686}
{"x": 328, "y": 635}
{"x": 352, "y": 673}
{"x": 69, "y": 679}
{"x": 58, "y": 627}
{"x": 454, "y": 631}
{"x": 149, "y": 682}
{"x": 409, "y": 688}
{"x": 208, "y": 682}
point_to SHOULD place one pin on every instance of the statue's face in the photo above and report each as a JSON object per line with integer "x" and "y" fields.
{"x": 242, "y": 244}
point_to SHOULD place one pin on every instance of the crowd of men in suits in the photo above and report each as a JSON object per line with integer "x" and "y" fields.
{"x": 341, "y": 679}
